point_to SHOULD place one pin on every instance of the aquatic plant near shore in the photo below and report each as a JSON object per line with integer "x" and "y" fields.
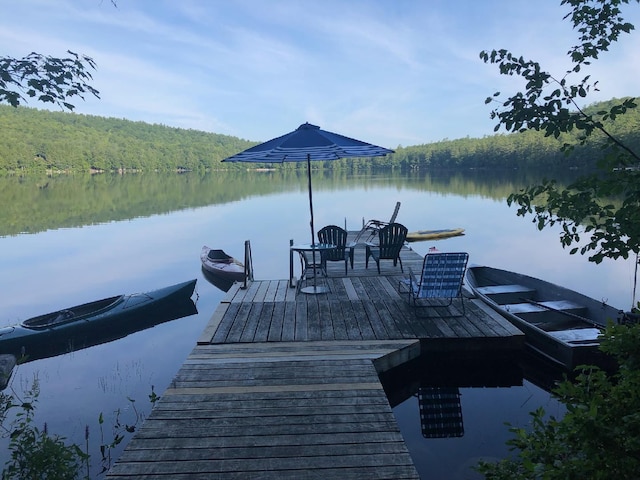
{"x": 38, "y": 454}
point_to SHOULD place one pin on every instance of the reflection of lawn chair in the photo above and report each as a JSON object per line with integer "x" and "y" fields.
{"x": 391, "y": 240}
{"x": 336, "y": 236}
{"x": 440, "y": 412}
{"x": 372, "y": 227}
{"x": 441, "y": 277}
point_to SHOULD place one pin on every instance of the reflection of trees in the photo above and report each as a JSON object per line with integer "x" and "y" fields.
{"x": 72, "y": 201}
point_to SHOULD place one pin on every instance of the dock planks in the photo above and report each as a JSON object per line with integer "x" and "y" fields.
{"x": 285, "y": 385}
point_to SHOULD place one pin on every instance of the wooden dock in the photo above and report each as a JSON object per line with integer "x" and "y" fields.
{"x": 286, "y": 386}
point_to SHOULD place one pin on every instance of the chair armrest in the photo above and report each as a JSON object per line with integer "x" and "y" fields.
{"x": 375, "y": 224}
{"x": 409, "y": 282}
{"x": 414, "y": 285}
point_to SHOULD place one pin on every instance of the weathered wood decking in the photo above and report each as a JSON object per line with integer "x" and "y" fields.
{"x": 286, "y": 386}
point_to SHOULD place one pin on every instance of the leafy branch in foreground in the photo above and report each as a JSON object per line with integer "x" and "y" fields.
{"x": 598, "y": 437}
{"x": 604, "y": 205}
{"x": 45, "y": 78}
{"x": 35, "y": 453}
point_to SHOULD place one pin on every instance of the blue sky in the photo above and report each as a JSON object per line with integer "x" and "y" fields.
{"x": 390, "y": 72}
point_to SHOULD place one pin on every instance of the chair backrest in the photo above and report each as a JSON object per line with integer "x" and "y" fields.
{"x": 335, "y": 235}
{"x": 395, "y": 213}
{"x": 442, "y": 275}
{"x": 391, "y": 240}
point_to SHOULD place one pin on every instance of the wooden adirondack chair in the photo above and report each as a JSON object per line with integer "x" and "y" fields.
{"x": 391, "y": 240}
{"x": 337, "y": 236}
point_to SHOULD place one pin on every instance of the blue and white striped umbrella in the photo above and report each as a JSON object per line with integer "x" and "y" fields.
{"x": 306, "y": 143}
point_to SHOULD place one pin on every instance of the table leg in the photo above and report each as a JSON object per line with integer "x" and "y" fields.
{"x": 291, "y": 285}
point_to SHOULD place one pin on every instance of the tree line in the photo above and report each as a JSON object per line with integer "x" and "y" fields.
{"x": 40, "y": 141}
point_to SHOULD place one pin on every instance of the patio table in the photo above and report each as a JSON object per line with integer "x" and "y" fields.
{"x": 315, "y": 249}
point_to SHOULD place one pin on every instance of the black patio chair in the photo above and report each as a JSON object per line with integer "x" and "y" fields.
{"x": 391, "y": 240}
{"x": 337, "y": 236}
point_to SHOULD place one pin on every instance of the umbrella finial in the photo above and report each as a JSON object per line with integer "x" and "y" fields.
{"x": 308, "y": 126}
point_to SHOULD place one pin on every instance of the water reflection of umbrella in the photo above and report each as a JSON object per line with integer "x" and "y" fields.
{"x": 308, "y": 142}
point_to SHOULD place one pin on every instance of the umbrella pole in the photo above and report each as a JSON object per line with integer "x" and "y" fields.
{"x": 314, "y": 288}
{"x": 310, "y": 197}
{"x": 313, "y": 251}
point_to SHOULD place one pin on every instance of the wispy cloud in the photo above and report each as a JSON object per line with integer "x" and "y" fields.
{"x": 392, "y": 73}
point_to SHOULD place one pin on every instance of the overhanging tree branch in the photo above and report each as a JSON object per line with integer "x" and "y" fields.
{"x": 549, "y": 104}
{"x": 47, "y": 79}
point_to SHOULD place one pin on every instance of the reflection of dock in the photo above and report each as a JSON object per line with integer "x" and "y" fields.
{"x": 436, "y": 379}
{"x": 457, "y": 369}
{"x": 288, "y": 386}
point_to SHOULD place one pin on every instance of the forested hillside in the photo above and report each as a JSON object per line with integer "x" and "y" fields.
{"x": 38, "y": 141}
{"x": 523, "y": 150}
{"x": 34, "y": 140}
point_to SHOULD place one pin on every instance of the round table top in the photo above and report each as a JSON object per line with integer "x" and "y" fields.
{"x": 314, "y": 246}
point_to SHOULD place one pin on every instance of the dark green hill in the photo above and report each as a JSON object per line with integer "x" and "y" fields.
{"x": 36, "y": 141}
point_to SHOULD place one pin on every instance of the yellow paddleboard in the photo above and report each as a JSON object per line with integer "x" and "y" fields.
{"x": 421, "y": 235}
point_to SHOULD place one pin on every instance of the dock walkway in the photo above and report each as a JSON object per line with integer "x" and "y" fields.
{"x": 284, "y": 385}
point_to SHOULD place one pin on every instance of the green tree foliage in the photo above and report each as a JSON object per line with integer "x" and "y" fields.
{"x": 37, "y": 141}
{"x": 549, "y": 104}
{"x": 599, "y": 436}
{"x": 40, "y": 141}
{"x": 45, "y": 78}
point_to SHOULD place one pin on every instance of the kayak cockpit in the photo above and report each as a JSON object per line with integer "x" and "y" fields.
{"x": 73, "y": 314}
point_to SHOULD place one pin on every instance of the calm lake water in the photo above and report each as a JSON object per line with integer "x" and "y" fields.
{"x": 146, "y": 232}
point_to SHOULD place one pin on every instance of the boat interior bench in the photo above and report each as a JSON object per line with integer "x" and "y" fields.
{"x": 562, "y": 305}
{"x": 578, "y": 335}
{"x": 558, "y": 314}
{"x": 503, "y": 294}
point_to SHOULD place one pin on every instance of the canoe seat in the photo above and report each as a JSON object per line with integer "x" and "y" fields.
{"x": 504, "y": 294}
{"x": 547, "y": 319}
{"x": 564, "y": 305}
{"x": 578, "y": 335}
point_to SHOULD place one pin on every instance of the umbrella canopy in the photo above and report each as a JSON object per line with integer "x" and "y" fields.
{"x": 306, "y": 143}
